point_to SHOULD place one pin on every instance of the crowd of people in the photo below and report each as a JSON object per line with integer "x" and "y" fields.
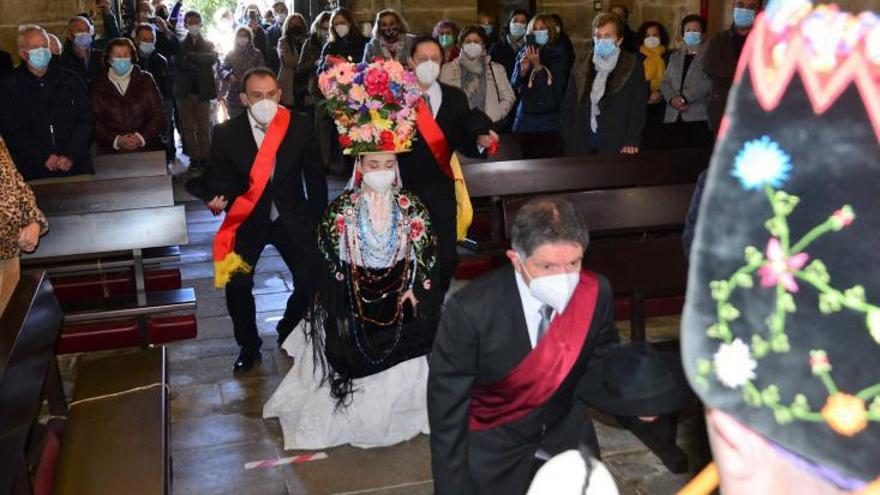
{"x": 496, "y": 372}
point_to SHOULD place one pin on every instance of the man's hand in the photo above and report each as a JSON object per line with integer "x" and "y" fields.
{"x": 629, "y": 150}
{"x": 29, "y": 238}
{"x": 487, "y": 140}
{"x": 161, "y": 25}
{"x": 52, "y": 163}
{"x": 101, "y": 6}
{"x": 217, "y": 204}
{"x": 64, "y": 164}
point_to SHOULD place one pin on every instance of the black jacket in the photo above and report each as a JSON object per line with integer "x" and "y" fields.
{"x": 273, "y": 34}
{"x": 44, "y": 116}
{"x": 5, "y": 63}
{"x": 88, "y": 72}
{"x": 194, "y": 71}
{"x": 157, "y": 65}
{"x": 719, "y": 63}
{"x": 622, "y": 107}
{"x": 483, "y": 335}
{"x": 459, "y": 124}
{"x": 350, "y": 48}
{"x": 298, "y": 161}
{"x": 503, "y": 53}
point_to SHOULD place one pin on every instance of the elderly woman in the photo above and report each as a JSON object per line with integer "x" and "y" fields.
{"x": 128, "y": 107}
{"x": 653, "y": 40}
{"x": 483, "y": 81}
{"x": 244, "y": 57}
{"x": 616, "y": 91}
{"x": 391, "y": 39}
{"x": 686, "y": 87}
{"x": 446, "y": 33}
{"x": 21, "y": 224}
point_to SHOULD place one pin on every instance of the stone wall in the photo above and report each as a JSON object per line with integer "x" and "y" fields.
{"x": 51, "y": 14}
{"x": 420, "y": 14}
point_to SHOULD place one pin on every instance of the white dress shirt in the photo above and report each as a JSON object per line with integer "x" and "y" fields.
{"x": 531, "y": 309}
{"x": 259, "y": 134}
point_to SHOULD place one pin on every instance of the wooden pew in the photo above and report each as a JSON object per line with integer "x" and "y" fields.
{"x": 29, "y": 328}
{"x": 635, "y": 241}
{"x": 127, "y": 165}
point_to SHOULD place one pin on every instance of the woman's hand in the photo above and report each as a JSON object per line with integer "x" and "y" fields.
{"x": 524, "y": 64}
{"x": 629, "y": 150}
{"x": 656, "y": 97}
{"x": 411, "y": 297}
{"x": 29, "y": 237}
{"x": 534, "y": 56}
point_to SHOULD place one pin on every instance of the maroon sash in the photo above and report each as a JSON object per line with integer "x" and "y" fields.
{"x": 532, "y": 382}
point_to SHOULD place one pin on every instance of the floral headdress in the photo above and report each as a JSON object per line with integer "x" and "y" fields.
{"x": 374, "y": 105}
{"x": 782, "y": 323}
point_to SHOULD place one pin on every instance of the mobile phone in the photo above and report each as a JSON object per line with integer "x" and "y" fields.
{"x": 530, "y": 40}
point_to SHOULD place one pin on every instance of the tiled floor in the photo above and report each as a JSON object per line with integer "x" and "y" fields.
{"x": 216, "y": 418}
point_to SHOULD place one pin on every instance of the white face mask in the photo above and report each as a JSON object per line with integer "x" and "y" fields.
{"x": 380, "y": 181}
{"x": 427, "y": 72}
{"x": 552, "y": 290}
{"x": 342, "y": 30}
{"x": 472, "y": 50}
{"x": 264, "y": 111}
{"x": 242, "y": 41}
{"x": 194, "y": 29}
{"x": 652, "y": 42}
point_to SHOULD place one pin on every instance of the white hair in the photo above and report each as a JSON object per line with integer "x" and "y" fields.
{"x": 27, "y": 29}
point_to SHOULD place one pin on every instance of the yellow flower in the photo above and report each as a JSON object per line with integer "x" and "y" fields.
{"x": 846, "y": 414}
{"x": 378, "y": 122}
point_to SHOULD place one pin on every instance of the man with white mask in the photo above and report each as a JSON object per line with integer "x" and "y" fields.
{"x": 266, "y": 173}
{"x": 446, "y": 124}
{"x": 511, "y": 348}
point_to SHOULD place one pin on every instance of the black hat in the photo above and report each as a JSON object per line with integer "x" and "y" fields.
{"x": 781, "y": 329}
{"x": 636, "y": 380}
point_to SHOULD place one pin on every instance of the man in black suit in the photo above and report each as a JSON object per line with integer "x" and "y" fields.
{"x": 5, "y": 63}
{"x": 465, "y": 131}
{"x": 511, "y": 349}
{"x": 286, "y": 213}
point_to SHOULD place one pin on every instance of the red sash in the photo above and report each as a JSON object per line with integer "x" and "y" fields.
{"x": 434, "y": 137}
{"x": 536, "y": 378}
{"x": 226, "y": 261}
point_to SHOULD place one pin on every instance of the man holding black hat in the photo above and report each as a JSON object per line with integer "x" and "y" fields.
{"x": 781, "y": 332}
{"x": 510, "y": 350}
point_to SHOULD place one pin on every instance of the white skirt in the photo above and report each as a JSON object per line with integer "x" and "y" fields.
{"x": 387, "y": 408}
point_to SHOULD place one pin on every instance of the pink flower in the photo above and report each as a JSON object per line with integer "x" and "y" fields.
{"x": 416, "y": 228}
{"x": 358, "y": 94}
{"x": 843, "y": 217}
{"x": 780, "y": 269}
{"x": 345, "y": 73}
{"x": 403, "y": 201}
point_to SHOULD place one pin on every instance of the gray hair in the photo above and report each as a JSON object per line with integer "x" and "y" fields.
{"x": 27, "y": 29}
{"x": 547, "y": 220}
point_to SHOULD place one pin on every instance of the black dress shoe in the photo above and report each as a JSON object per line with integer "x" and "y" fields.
{"x": 246, "y": 361}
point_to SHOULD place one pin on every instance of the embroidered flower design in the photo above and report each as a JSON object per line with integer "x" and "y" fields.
{"x": 819, "y": 362}
{"x": 340, "y": 277}
{"x": 733, "y": 364}
{"x": 403, "y": 202}
{"x": 873, "y": 322}
{"x": 843, "y": 217}
{"x": 349, "y": 211}
{"x": 427, "y": 284}
{"x": 761, "y": 161}
{"x": 846, "y": 414}
{"x": 416, "y": 229}
{"x": 780, "y": 268}
{"x": 340, "y": 223}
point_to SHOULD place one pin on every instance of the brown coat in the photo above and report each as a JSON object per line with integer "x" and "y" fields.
{"x": 18, "y": 207}
{"x": 139, "y": 110}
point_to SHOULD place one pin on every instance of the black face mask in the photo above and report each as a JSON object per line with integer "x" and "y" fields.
{"x": 296, "y": 31}
{"x": 390, "y": 34}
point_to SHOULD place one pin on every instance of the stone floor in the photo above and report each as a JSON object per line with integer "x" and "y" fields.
{"x": 216, "y": 423}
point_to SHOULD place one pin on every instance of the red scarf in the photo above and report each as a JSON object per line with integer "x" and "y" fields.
{"x": 434, "y": 137}
{"x": 226, "y": 261}
{"x": 531, "y": 383}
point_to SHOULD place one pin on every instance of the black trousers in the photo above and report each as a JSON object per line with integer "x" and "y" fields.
{"x": 439, "y": 199}
{"x": 294, "y": 248}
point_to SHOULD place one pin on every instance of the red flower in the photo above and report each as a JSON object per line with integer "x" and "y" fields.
{"x": 340, "y": 223}
{"x": 403, "y": 202}
{"x": 416, "y": 229}
{"x": 344, "y": 141}
{"x": 376, "y": 82}
{"x": 386, "y": 141}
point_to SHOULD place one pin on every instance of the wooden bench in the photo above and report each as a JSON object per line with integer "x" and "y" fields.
{"x": 635, "y": 241}
{"x": 29, "y": 328}
{"x": 117, "y": 439}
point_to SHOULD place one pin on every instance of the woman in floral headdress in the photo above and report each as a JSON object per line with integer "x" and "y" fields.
{"x": 360, "y": 373}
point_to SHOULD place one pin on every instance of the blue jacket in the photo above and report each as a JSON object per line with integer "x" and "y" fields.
{"x": 540, "y": 105}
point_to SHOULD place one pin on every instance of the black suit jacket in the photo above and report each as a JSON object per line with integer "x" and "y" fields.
{"x": 298, "y": 161}
{"x": 460, "y": 125}
{"x": 482, "y": 337}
